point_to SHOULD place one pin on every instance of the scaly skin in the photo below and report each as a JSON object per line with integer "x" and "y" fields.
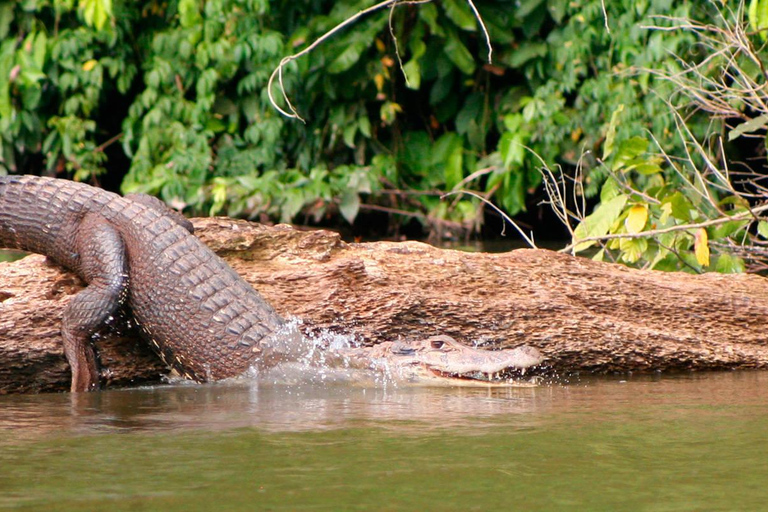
{"x": 201, "y": 316}
{"x": 441, "y": 360}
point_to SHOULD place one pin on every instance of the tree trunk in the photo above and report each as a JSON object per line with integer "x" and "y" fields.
{"x": 582, "y": 315}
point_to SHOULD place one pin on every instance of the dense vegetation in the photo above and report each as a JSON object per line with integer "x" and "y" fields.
{"x": 400, "y": 107}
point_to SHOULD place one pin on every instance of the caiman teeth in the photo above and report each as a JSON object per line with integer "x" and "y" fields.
{"x": 479, "y": 376}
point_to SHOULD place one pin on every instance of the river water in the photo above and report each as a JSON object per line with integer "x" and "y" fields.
{"x": 651, "y": 443}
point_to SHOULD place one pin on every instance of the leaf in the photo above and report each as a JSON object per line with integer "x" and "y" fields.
{"x": 666, "y": 211}
{"x": 388, "y": 112}
{"x": 729, "y": 264}
{"x": 189, "y": 13}
{"x": 458, "y": 54}
{"x": 681, "y": 206}
{"x": 610, "y": 134}
{"x": 349, "y": 205}
{"x": 758, "y": 16}
{"x": 632, "y": 249}
{"x": 458, "y": 12}
{"x": 39, "y": 50}
{"x": 647, "y": 168}
{"x": 525, "y": 52}
{"x": 96, "y": 12}
{"x": 750, "y": 126}
{"x": 610, "y": 189}
{"x": 346, "y": 59}
{"x": 348, "y": 134}
{"x": 454, "y": 167}
{"x": 762, "y": 229}
{"x": 412, "y": 72}
{"x": 89, "y": 64}
{"x": 599, "y": 222}
{"x": 636, "y": 219}
{"x": 701, "y": 247}
{"x": 628, "y": 151}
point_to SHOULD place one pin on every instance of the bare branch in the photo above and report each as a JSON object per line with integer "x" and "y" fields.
{"x": 506, "y": 217}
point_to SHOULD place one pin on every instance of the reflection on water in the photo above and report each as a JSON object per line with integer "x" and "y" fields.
{"x": 685, "y": 442}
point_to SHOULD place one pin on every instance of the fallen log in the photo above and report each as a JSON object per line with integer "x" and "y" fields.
{"x": 582, "y": 315}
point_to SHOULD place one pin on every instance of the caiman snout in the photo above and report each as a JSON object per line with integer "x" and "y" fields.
{"x": 443, "y": 358}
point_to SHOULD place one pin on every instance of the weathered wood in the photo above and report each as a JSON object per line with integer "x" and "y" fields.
{"x": 583, "y": 315}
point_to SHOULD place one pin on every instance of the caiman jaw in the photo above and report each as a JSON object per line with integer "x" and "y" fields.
{"x": 442, "y": 359}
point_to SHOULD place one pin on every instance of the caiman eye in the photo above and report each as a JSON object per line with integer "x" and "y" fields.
{"x": 437, "y": 343}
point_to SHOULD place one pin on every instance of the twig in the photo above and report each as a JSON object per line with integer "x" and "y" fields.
{"x": 285, "y": 60}
{"x": 605, "y": 17}
{"x": 278, "y": 72}
{"x": 394, "y": 41}
{"x": 104, "y": 145}
{"x": 506, "y": 217}
{"x": 485, "y": 30}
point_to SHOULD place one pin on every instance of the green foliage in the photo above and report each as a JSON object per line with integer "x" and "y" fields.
{"x": 641, "y": 197}
{"x": 188, "y": 81}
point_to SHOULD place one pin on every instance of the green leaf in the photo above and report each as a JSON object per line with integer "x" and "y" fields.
{"x": 454, "y": 167}
{"x": 610, "y": 189}
{"x": 647, "y": 168}
{"x": 458, "y": 54}
{"x": 348, "y": 134}
{"x": 610, "y": 134}
{"x": 526, "y": 7}
{"x": 346, "y": 59}
{"x": 758, "y": 16}
{"x": 762, "y": 229}
{"x": 681, "y": 206}
{"x": 632, "y": 249}
{"x": 189, "y": 13}
{"x": 729, "y": 264}
{"x": 599, "y": 222}
{"x": 365, "y": 125}
{"x": 428, "y": 12}
{"x": 412, "y": 71}
{"x": 349, "y": 205}
{"x": 628, "y": 151}
{"x": 526, "y": 52}
{"x": 96, "y": 13}
{"x": 750, "y": 126}
{"x": 458, "y": 12}
{"x": 729, "y": 228}
{"x": 39, "y": 50}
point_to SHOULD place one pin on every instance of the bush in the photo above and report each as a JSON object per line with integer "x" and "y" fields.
{"x": 188, "y": 78}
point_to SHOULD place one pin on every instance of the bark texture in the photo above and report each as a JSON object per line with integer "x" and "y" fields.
{"x": 583, "y": 315}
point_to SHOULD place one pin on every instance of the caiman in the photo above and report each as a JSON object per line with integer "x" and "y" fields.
{"x": 203, "y": 319}
{"x": 438, "y": 360}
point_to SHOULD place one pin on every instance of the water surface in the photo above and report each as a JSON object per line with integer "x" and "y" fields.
{"x": 685, "y": 442}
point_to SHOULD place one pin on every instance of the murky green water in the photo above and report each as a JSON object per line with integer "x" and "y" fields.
{"x": 693, "y": 442}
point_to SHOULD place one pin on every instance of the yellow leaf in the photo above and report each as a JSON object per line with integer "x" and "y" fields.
{"x": 701, "y": 247}
{"x": 89, "y": 64}
{"x": 379, "y": 80}
{"x": 636, "y": 219}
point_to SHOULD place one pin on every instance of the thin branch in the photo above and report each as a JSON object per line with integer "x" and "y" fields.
{"x": 485, "y": 30}
{"x": 279, "y": 70}
{"x": 605, "y": 17}
{"x": 506, "y": 217}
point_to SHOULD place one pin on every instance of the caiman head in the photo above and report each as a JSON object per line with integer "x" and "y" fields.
{"x": 443, "y": 360}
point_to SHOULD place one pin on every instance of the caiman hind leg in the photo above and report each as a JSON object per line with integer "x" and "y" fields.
{"x": 103, "y": 265}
